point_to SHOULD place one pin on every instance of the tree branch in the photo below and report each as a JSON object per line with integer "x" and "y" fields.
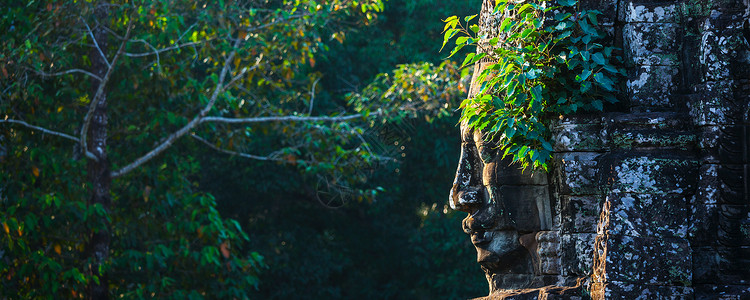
{"x": 157, "y": 51}
{"x": 190, "y": 125}
{"x": 91, "y": 33}
{"x": 98, "y": 96}
{"x": 243, "y": 72}
{"x": 230, "y": 152}
{"x": 312, "y": 96}
{"x": 66, "y": 72}
{"x": 47, "y": 131}
{"x": 284, "y": 119}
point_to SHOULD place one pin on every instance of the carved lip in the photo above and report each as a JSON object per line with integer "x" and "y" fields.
{"x": 480, "y": 239}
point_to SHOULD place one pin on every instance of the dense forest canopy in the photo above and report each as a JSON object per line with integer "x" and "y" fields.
{"x": 229, "y": 149}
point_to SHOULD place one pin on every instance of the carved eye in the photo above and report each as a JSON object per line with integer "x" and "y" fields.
{"x": 487, "y": 152}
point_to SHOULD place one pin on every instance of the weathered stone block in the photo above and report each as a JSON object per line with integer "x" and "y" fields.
{"x": 652, "y": 87}
{"x": 714, "y": 103}
{"x": 639, "y": 260}
{"x": 734, "y": 182}
{"x": 652, "y": 43}
{"x": 575, "y": 173}
{"x": 703, "y": 225}
{"x": 721, "y": 292}
{"x": 577, "y": 254}
{"x": 722, "y": 265}
{"x": 648, "y": 11}
{"x": 623, "y": 290}
{"x": 723, "y": 47}
{"x": 664, "y": 121}
{"x": 708, "y": 142}
{"x": 629, "y": 139}
{"x": 577, "y": 137}
{"x": 646, "y": 215}
{"x": 733, "y": 265}
{"x": 733, "y": 145}
{"x": 548, "y": 249}
{"x": 579, "y": 213}
{"x": 705, "y": 265}
{"x": 529, "y": 206}
{"x": 734, "y": 225}
{"x": 727, "y": 6}
{"x": 650, "y": 130}
{"x": 708, "y": 184}
{"x": 577, "y": 133}
{"x": 649, "y": 172}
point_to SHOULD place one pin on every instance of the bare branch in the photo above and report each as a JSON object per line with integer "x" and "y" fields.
{"x": 292, "y": 17}
{"x": 189, "y": 126}
{"x": 230, "y": 152}
{"x": 91, "y": 33}
{"x": 312, "y": 96}
{"x": 67, "y": 72}
{"x": 157, "y": 51}
{"x": 47, "y": 131}
{"x": 243, "y": 72}
{"x": 285, "y": 119}
{"x": 98, "y": 96}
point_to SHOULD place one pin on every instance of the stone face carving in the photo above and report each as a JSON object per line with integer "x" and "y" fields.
{"x": 648, "y": 200}
{"x": 509, "y": 215}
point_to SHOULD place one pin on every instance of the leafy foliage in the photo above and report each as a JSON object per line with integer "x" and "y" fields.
{"x": 170, "y": 238}
{"x": 547, "y": 60}
{"x": 412, "y": 90}
{"x": 170, "y": 62}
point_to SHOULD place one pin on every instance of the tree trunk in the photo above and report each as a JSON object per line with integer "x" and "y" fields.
{"x": 98, "y": 170}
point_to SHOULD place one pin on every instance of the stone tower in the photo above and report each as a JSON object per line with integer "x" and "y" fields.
{"x": 649, "y": 199}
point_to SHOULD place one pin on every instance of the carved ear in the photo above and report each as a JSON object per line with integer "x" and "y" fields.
{"x": 529, "y": 242}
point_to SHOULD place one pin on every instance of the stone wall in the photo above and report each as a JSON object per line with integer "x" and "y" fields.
{"x": 653, "y": 195}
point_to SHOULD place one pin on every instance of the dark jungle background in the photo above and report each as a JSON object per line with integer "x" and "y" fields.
{"x": 347, "y": 229}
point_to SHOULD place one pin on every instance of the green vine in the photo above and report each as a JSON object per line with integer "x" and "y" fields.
{"x": 548, "y": 60}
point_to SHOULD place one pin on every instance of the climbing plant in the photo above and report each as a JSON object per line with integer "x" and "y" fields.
{"x": 549, "y": 58}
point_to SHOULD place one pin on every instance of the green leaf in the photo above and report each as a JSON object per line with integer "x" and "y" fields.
{"x": 587, "y": 29}
{"x": 455, "y": 50}
{"x": 468, "y": 59}
{"x": 598, "y": 58}
{"x": 567, "y": 2}
{"x": 592, "y": 16}
{"x": 584, "y": 75}
{"x": 448, "y": 35}
{"x": 597, "y": 104}
{"x": 604, "y": 82}
{"x": 585, "y": 55}
{"x": 469, "y": 18}
{"x": 527, "y": 32}
{"x": 510, "y": 132}
{"x": 536, "y": 93}
{"x": 562, "y": 16}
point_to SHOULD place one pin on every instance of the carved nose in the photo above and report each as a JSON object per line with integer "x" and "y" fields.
{"x": 466, "y": 195}
{"x": 465, "y": 199}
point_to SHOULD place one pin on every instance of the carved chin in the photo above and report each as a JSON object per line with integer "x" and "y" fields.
{"x": 498, "y": 249}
